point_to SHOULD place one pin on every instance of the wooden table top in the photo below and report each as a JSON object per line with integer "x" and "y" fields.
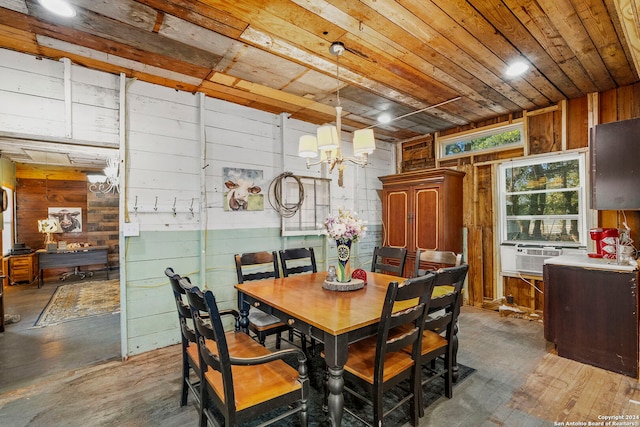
{"x": 303, "y": 297}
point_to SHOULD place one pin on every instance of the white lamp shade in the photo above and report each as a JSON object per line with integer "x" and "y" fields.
{"x": 364, "y": 142}
{"x": 328, "y": 138}
{"x": 48, "y": 225}
{"x": 308, "y": 146}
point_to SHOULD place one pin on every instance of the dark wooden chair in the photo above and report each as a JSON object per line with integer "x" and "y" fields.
{"x": 190, "y": 356}
{"x": 389, "y": 260}
{"x": 240, "y": 378}
{"x": 439, "y": 338}
{"x": 297, "y": 261}
{"x": 258, "y": 266}
{"x": 379, "y": 363}
{"x": 427, "y": 260}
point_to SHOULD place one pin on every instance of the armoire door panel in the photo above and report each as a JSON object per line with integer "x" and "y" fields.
{"x": 397, "y": 209}
{"x": 426, "y": 221}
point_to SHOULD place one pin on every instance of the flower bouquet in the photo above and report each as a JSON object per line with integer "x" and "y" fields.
{"x": 344, "y": 228}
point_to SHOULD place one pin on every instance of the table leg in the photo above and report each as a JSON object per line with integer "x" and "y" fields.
{"x": 455, "y": 369}
{"x": 243, "y": 308}
{"x": 335, "y": 349}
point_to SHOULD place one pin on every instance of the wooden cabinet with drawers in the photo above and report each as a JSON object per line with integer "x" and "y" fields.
{"x": 23, "y": 268}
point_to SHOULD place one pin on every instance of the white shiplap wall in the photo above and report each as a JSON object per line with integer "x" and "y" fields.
{"x": 34, "y": 101}
{"x": 164, "y": 169}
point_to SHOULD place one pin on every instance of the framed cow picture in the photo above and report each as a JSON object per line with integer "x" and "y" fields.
{"x": 243, "y": 189}
{"x": 70, "y": 219}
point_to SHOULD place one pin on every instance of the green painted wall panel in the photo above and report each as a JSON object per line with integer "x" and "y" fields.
{"x": 150, "y": 305}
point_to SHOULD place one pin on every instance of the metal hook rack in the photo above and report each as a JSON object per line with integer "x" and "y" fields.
{"x": 159, "y": 207}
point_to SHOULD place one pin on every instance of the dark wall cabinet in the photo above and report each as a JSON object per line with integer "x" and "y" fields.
{"x": 615, "y": 174}
{"x": 591, "y": 315}
{"x": 422, "y": 210}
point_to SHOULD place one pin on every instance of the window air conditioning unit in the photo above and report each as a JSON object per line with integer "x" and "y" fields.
{"x": 531, "y": 260}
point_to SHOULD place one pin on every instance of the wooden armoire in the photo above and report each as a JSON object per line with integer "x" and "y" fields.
{"x": 422, "y": 209}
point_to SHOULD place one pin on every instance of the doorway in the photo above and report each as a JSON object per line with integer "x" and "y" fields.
{"x": 29, "y": 353}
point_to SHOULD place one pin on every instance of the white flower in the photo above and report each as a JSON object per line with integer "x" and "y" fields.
{"x": 346, "y": 226}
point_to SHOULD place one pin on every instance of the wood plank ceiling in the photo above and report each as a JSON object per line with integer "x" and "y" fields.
{"x": 447, "y": 57}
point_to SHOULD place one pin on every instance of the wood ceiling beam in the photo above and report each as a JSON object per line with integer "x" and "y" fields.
{"x": 628, "y": 11}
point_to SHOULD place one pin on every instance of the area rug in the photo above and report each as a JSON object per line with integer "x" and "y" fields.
{"x": 80, "y": 300}
{"x": 432, "y": 392}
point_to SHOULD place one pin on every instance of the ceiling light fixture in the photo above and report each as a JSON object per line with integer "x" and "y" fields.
{"x": 59, "y": 7}
{"x": 108, "y": 182}
{"x": 384, "y": 118}
{"x": 327, "y": 140}
{"x": 517, "y": 68}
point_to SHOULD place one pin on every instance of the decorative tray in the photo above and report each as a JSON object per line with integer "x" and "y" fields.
{"x": 352, "y": 285}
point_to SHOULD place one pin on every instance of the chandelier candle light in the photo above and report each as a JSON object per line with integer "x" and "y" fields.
{"x": 345, "y": 228}
{"x": 108, "y": 182}
{"x": 327, "y": 140}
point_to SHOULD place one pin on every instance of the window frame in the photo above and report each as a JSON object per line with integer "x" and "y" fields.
{"x": 312, "y": 202}
{"x": 443, "y": 142}
{"x": 581, "y": 216}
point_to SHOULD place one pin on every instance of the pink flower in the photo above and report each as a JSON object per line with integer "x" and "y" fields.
{"x": 345, "y": 226}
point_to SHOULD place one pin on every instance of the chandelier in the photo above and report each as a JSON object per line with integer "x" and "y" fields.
{"x": 327, "y": 141}
{"x": 108, "y": 182}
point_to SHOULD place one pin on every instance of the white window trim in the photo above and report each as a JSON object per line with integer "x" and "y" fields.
{"x": 310, "y": 203}
{"x": 441, "y": 143}
{"x": 583, "y": 215}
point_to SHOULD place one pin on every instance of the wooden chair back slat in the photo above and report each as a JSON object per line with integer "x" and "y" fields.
{"x": 291, "y": 260}
{"x": 428, "y": 260}
{"x": 389, "y": 260}
{"x": 265, "y": 262}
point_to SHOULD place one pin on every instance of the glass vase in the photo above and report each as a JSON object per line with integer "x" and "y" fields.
{"x": 344, "y": 254}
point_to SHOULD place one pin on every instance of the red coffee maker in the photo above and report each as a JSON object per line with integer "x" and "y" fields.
{"x": 606, "y": 241}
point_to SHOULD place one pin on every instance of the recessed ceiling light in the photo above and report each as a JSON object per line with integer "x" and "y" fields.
{"x": 517, "y": 68}
{"x": 384, "y": 118}
{"x": 59, "y": 7}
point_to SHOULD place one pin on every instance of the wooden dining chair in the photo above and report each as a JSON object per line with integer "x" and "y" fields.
{"x": 297, "y": 261}
{"x": 258, "y": 266}
{"x": 190, "y": 359}
{"x": 439, "y": 339}
{"x": 428, "y": 260}
{"x": 240, "y": 378}
{"x": 379, "y": 363}
{"x": 389, "y": 260}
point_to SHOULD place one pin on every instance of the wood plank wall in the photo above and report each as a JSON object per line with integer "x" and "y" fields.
{"x": 545, "y": 136}
{"x": 38, "y": 188}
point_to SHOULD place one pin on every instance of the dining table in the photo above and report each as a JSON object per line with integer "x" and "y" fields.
{"x": 336, "y": 318}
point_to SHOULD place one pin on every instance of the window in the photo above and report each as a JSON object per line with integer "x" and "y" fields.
{"x": 315, "y": 207}
{"x": 496, "y": 138}
{"x": 542, "y": 201}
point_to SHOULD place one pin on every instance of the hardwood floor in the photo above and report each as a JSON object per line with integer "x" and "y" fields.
{"x": 28, "y": 354}
{"x": 57, "y": 378}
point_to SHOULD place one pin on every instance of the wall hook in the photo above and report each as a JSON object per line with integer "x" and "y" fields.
{"x": 191, "y": 208}
{"x": 135, "y": 207}
{"x": 155, "y": 208}
{"x": 174, "y": 206}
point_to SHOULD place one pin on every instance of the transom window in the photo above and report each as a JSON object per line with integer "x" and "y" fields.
{"x": 495, "y": 138}
{"x": 542, "y": 201}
